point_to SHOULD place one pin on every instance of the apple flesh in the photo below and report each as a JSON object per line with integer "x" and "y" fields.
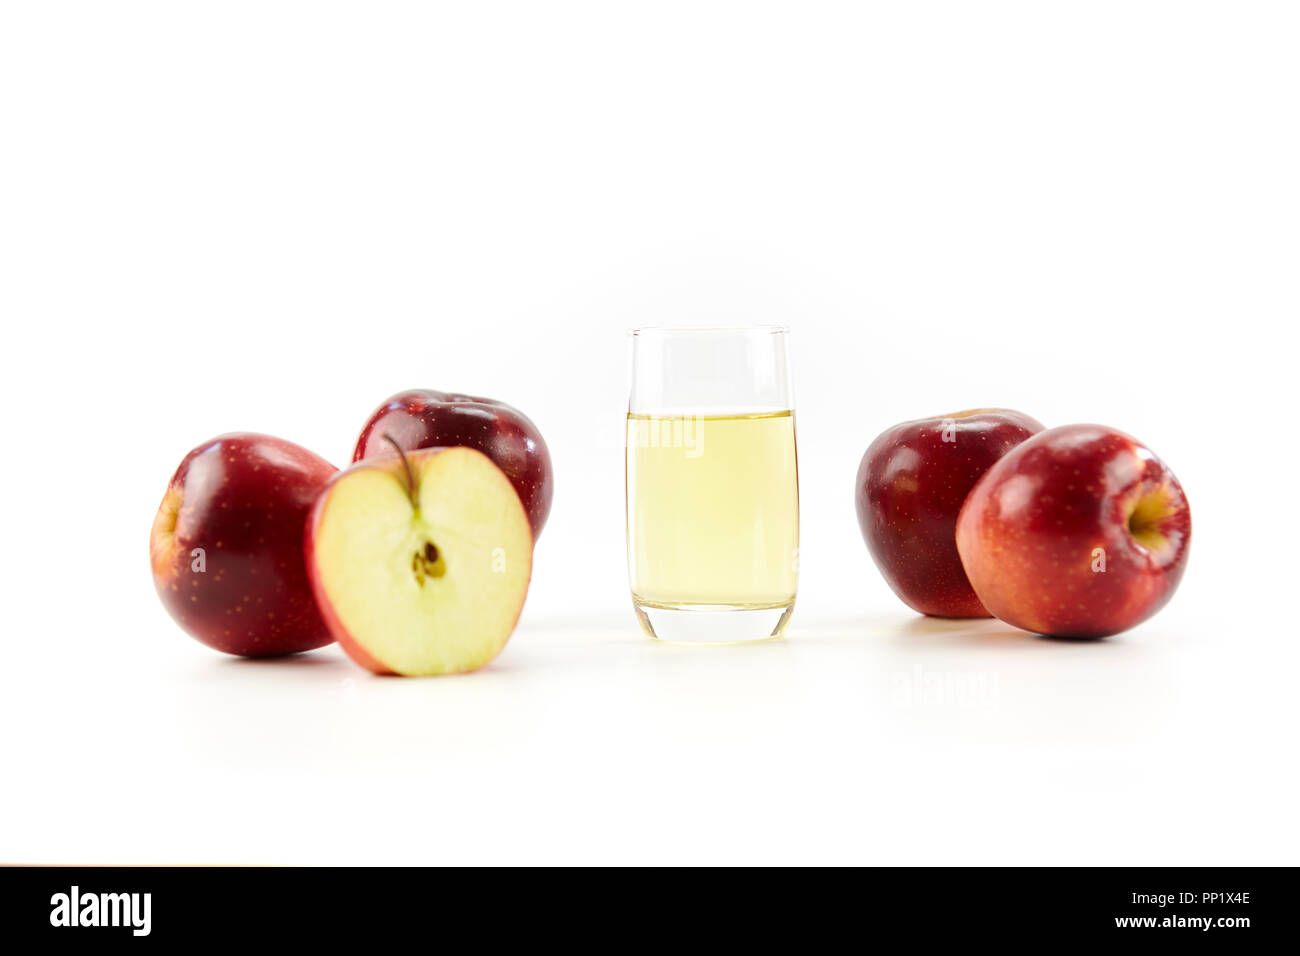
{"x": 423, "y": 418}
{"x": 226, "y": 545}
{"x": 1079, "y": 532}
{"x": 911, "y": 485}
{"x": 420, "y": 563}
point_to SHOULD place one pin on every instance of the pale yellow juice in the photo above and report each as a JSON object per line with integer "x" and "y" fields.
{"x": 713, "y": 510}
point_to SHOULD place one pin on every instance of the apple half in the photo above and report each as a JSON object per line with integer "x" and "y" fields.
{"x": 420, "y": 561}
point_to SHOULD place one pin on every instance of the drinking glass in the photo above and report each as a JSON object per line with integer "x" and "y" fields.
{"x": 712, "y": 483}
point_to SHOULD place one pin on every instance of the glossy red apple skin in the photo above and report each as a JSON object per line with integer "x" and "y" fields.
{"x": 423, "y": 418}
{"x": 1029, "y": 534}
{"x": 911, "y": 484}
{"x": 242, "y": 498}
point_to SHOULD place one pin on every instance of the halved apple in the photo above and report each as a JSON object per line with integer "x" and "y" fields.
{"x": 420, "y": 561}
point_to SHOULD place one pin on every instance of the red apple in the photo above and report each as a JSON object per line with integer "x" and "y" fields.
{"x": 226, "y": 545}
{"x": 420, "y": 562}
{"x": 1079, "y": 532}
{"x": 422, "y": 418}
{"x": 911, "y": 484}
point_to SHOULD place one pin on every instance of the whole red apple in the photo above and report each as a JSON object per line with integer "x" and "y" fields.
{"x": 1079, "y": 532}
{"x": 423, "y": 418}
{"x": 911, "y": 485}
{"x": 226, "y": 546}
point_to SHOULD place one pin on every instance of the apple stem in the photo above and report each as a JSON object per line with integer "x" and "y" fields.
{"x": 410, "y": 475}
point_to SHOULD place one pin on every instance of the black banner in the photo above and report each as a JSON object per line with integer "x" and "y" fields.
{"x": 145, "y": 906}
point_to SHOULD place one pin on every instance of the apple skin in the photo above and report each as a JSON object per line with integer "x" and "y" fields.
{"x": 911, "y": 484}
{"x": 423, "y": 418}
{"x": 1029, "y": 532}
{"x": 244, "y": 499}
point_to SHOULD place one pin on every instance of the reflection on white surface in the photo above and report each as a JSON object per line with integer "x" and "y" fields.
{"x": 895, "y": 739}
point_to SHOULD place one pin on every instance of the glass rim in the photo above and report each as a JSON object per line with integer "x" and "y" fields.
{"x": 689, "y": 329}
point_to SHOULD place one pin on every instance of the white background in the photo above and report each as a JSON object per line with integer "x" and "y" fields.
{"x": 270, "y": 216}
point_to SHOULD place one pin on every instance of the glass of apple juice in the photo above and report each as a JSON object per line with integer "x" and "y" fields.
{"x": 712, "y": 483}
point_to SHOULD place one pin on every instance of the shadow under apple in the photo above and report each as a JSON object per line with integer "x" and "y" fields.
{"x": 977, "y": 632}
